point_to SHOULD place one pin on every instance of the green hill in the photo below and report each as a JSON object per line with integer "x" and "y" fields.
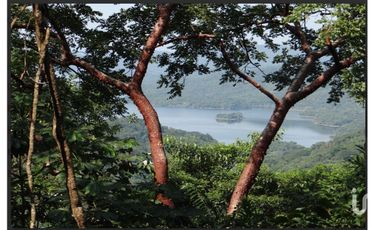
{"x": 283, "y": 156}
{"x": 205, "y": 92}
{"x": 137, "y": 130}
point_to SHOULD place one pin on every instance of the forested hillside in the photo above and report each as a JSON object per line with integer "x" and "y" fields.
{"x": 76, "y": 161}
{"x": 285, "y": 156}
{"x": 135, "y": 129}
{"x": 242, "y": 96}
{"x": 282, "y": 156}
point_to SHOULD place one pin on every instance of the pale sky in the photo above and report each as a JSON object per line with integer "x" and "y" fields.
{"x": 109, "y": 9}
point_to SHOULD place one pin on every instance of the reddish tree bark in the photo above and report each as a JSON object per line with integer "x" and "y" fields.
{"x": 252, "y": 167}
{"x": 155, "y": 139}
{"x": 134, "y": 91}
{"x": 256, "y": 158}
{"x": 294, "y": 94}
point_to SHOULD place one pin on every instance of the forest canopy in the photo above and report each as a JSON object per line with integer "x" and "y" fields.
{"x": 72, "y": 70}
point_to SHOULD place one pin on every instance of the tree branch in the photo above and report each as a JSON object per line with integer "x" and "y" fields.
{"x": 31, "y": 27}
{"x": 68, "y": 58}
{"x": 42, "y": 38}
{"x": 297, "y": 31}
{"x": 14, "y": 20}
{"x": 324, "y": 78}
{"x": 332, "y": 50}
{"x": 249, "y": 58}
{"x": 64, "y": 148}
{"x": 100, "y": 75}
{"x": 186, "y": 37}
{"x": 247, "y": 78}
{"x": 309, "y": 62}
{"x": 151, "y": 42}
{"x": 66, "y": 51}
{"x": 22, "y": 26}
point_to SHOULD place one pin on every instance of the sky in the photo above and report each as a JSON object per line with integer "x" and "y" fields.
{"x": 108, "y": 9}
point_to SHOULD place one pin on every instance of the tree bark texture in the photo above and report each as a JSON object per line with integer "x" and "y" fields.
{"x": 152, "y": 123}
{"x": 252, "y": 167}
{"x": 134, "y": 91}
{"x": 150, "y": 116}
{"x": 63, "y": 146}
{"x": 42, "y": 38}
{"x": 28, "y": 166}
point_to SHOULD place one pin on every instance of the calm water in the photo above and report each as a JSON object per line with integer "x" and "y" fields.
{"x": 296, "y": 128}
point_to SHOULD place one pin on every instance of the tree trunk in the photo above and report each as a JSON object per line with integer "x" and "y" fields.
{"x": 133, "y": 90}
{"x": 152, "y": 123}
{"x": 42, "y": 38}
{"x": 258, "y": 152}
{"x": 59, "y": 136}
{"x": 28, "y": 166}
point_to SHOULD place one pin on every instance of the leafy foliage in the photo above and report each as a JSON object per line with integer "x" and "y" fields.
{"x": 114, "y": 176}
{"x": 286, "y": 156}
{"x": 315, "y": 197}
{"x": 136, "y": 129}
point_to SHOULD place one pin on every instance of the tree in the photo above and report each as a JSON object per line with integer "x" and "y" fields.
{"x": 88, "y": 60}
{"x": 130, "y": 86}
{"x": 331, "y": 53}
{"x": 42, "y": 38}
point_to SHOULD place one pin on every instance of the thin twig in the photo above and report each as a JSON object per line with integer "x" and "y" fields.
{"x": 247, "y": 78}
{"x": 186, "y": 37}
{"x": 14, "y": 20}
{"x": 248, "y": 56}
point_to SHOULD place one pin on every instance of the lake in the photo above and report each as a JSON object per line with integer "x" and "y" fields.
{"x": 296, "y": 128}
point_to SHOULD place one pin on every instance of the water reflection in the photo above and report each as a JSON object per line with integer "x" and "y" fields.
{"x": 297, "y": 128}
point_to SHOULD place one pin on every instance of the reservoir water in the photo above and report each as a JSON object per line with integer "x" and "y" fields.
{"x": 296, "y": 128}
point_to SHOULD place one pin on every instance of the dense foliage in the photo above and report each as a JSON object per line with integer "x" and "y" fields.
{"x": 115, "y": 184}
{"x": 134, "y": 128}
{"x": 315, "y": 197}
{"x": 285, "y": 156}
{"x": 113, "y": 166}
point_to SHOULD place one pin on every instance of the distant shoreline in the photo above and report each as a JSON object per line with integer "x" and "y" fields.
{"x": 265, "y": 106}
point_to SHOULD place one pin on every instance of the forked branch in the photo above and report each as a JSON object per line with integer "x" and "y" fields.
{"x": 246, "y": 77}
{"x": 309, "y": 63}
{"x": 152, "y": 41}
{"x": 324, "y": 78}
{"x": 297, "y": 31}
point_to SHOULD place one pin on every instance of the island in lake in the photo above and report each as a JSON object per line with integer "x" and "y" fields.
{"x": 229, "y": 117}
